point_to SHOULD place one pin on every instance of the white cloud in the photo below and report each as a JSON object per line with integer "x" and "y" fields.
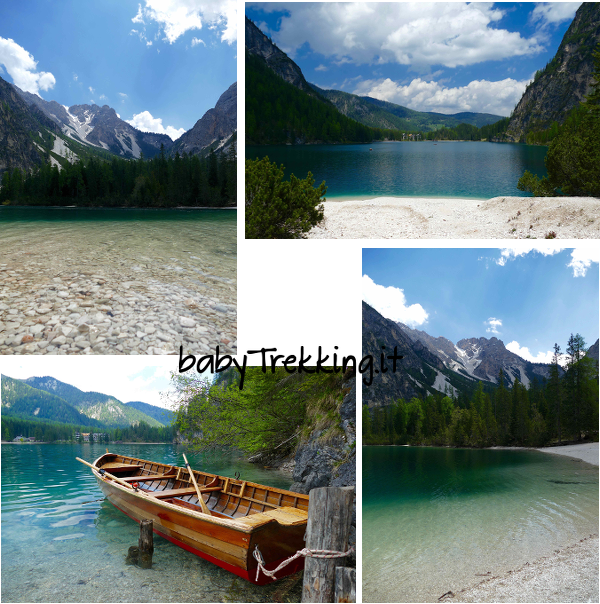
{"x": 582, "y": 259}
{"x": 493, "y": 324}
{"x": 554, "y": 12}
{"x": 176, "y": 17}
{"x": 480, "y": 96}
{"x": 541, "y": 357}
{"x": 131, "y": 379}
{"x": 75, "y": 76}
{"x": 146, "y": 123}
{"x": 418, "y": 34}
{"x": 546, "y": 249}
{"x": 196, "y": 41}
{"x": 91, "y": 89}
{"x": 103, "y": 97}
{"x": 391, "y": 303}
{"x": 321, "y": 68}
{"x": 21, "y": 67}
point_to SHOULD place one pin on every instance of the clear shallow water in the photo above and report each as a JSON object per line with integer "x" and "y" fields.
{"x": 434, "y": 518}
{"x": 477, "y": 170}
{"x": 63, "y": 542}
{"x": 135, "y": 239}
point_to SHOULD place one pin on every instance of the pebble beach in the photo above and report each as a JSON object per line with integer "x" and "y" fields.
{"x": 117, "y": 288}
{"x": 449, "y": 218}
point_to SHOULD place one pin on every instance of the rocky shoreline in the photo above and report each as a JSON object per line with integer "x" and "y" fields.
{"x": 80, "y": 311}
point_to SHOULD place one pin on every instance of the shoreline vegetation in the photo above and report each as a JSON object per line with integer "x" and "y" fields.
{"x": 451, "y": 218}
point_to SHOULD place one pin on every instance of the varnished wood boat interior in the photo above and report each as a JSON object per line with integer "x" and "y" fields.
{"x": 228, "y": 498}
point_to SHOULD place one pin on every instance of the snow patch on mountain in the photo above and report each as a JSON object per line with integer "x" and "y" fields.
{"x": 441, "y": 384}
{"x": 469, "y": 364}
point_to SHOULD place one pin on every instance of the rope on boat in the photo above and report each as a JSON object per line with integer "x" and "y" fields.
{"x": 305, "y": 552}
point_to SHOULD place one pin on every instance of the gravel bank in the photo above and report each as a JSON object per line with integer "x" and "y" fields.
{"x": 440, "y": 218}
{"x": 587, "y": 452}
{"x": 569, "y": 575}
{"x": 113, "y": 310}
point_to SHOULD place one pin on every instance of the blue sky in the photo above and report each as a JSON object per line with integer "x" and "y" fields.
{"x": 161, "y": 64}
{"x": 445, "y": 57}
{"x": 528, "y": 299}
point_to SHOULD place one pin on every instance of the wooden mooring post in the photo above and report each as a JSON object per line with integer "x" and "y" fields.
{"x": 146, "y": 544}
{"x": 328, "y": 528}
{"x": 142, "y": 554}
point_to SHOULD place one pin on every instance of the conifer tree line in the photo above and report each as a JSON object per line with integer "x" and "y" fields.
{"x": 47, "y": 431}
{"x": 161, "y": 182}
{"x": 562, "y": 408}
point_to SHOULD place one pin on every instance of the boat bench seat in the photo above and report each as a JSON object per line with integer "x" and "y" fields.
{"x": 285, "y": 515}
{"x": 172, "y": 493}
{"x": 115, "y": 466}
{"x": 148, "y": 478}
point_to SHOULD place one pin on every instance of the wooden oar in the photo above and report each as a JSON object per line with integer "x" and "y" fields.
{"x": 202, "y": 504}
{"x": 111, "y": 476}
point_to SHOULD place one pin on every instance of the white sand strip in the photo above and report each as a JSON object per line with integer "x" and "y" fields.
{"x": 586, "y": 451}
{"x": 441, "y": 218}
{"x": 569, "y": 575}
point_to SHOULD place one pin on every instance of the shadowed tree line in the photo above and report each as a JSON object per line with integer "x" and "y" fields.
{"x": 161, "y": 182}
{"x": 563, "y": 407}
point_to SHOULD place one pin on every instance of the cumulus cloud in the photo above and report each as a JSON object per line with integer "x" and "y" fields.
{"x": 145, "y": 122}
{"x": 21, "y": 67}
{"x": 175, "y": 17}
{"x": 321, "y": 68}
{"x": 551, "y": 13}
{"x": 524, "y": 353}
{"x": 582, "y": 259}
{"x": 479, "y": 96}
{"x": 196, "y": 41}
{"x": 510, "y": 253}
{"x": 417, "y": 34}
{"x": 492, "y": 325}
{"x": 391, "y": 303}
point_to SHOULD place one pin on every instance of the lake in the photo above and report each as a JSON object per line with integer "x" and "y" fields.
{"x": 63, "y": 542}
{"x": 157, "y": 258}
{"x": 434, "y": 518}
{"x": 462, "y": 169}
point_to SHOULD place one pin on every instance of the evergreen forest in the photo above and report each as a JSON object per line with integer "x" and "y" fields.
{"x": 50, "y": 431}
{"x": 562, "y": 408}
{"x": 161, "y": 182}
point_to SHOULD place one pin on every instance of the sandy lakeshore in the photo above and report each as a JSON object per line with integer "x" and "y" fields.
{"x": 442, "y": 218}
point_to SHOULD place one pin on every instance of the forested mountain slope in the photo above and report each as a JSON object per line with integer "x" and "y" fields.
{"x": 564, "y": 82}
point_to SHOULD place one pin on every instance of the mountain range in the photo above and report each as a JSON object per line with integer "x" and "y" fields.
{"x": 260, "y": 51}
{"x": 34, "y": 131}
{"x": 436, "y": 364}
{"x": 50, "y": 399}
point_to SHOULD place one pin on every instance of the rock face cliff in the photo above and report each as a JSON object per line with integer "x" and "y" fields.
{"x": 564, "y": 82}
{"x": 259, "y": 45}
{"x": 25, "y": 133}
{"x": 215, "y": 127}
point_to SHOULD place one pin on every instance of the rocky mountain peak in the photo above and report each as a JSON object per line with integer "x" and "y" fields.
{"x": 259, "y": 45}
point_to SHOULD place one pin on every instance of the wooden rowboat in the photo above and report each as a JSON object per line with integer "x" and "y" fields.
{"x": 222, "y": 520}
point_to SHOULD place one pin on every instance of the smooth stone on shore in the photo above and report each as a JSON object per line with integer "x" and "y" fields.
{"x": 187, "y": 322}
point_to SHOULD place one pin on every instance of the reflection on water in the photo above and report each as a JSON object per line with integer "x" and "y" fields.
{"x": 433, "y": 518}
{"x": 476, "y": 170}
{"x": 63, "y": 542}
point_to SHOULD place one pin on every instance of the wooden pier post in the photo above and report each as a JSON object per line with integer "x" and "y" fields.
{"x": 328, "y": 528}
{"x": 146, "y": 544}
{"x": 345, "y": 584}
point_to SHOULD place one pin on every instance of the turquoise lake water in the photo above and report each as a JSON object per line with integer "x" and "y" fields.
{"x": 434, "y": 518}
{"x": 63, "y": 542}
{"x": 477, "y": 170}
